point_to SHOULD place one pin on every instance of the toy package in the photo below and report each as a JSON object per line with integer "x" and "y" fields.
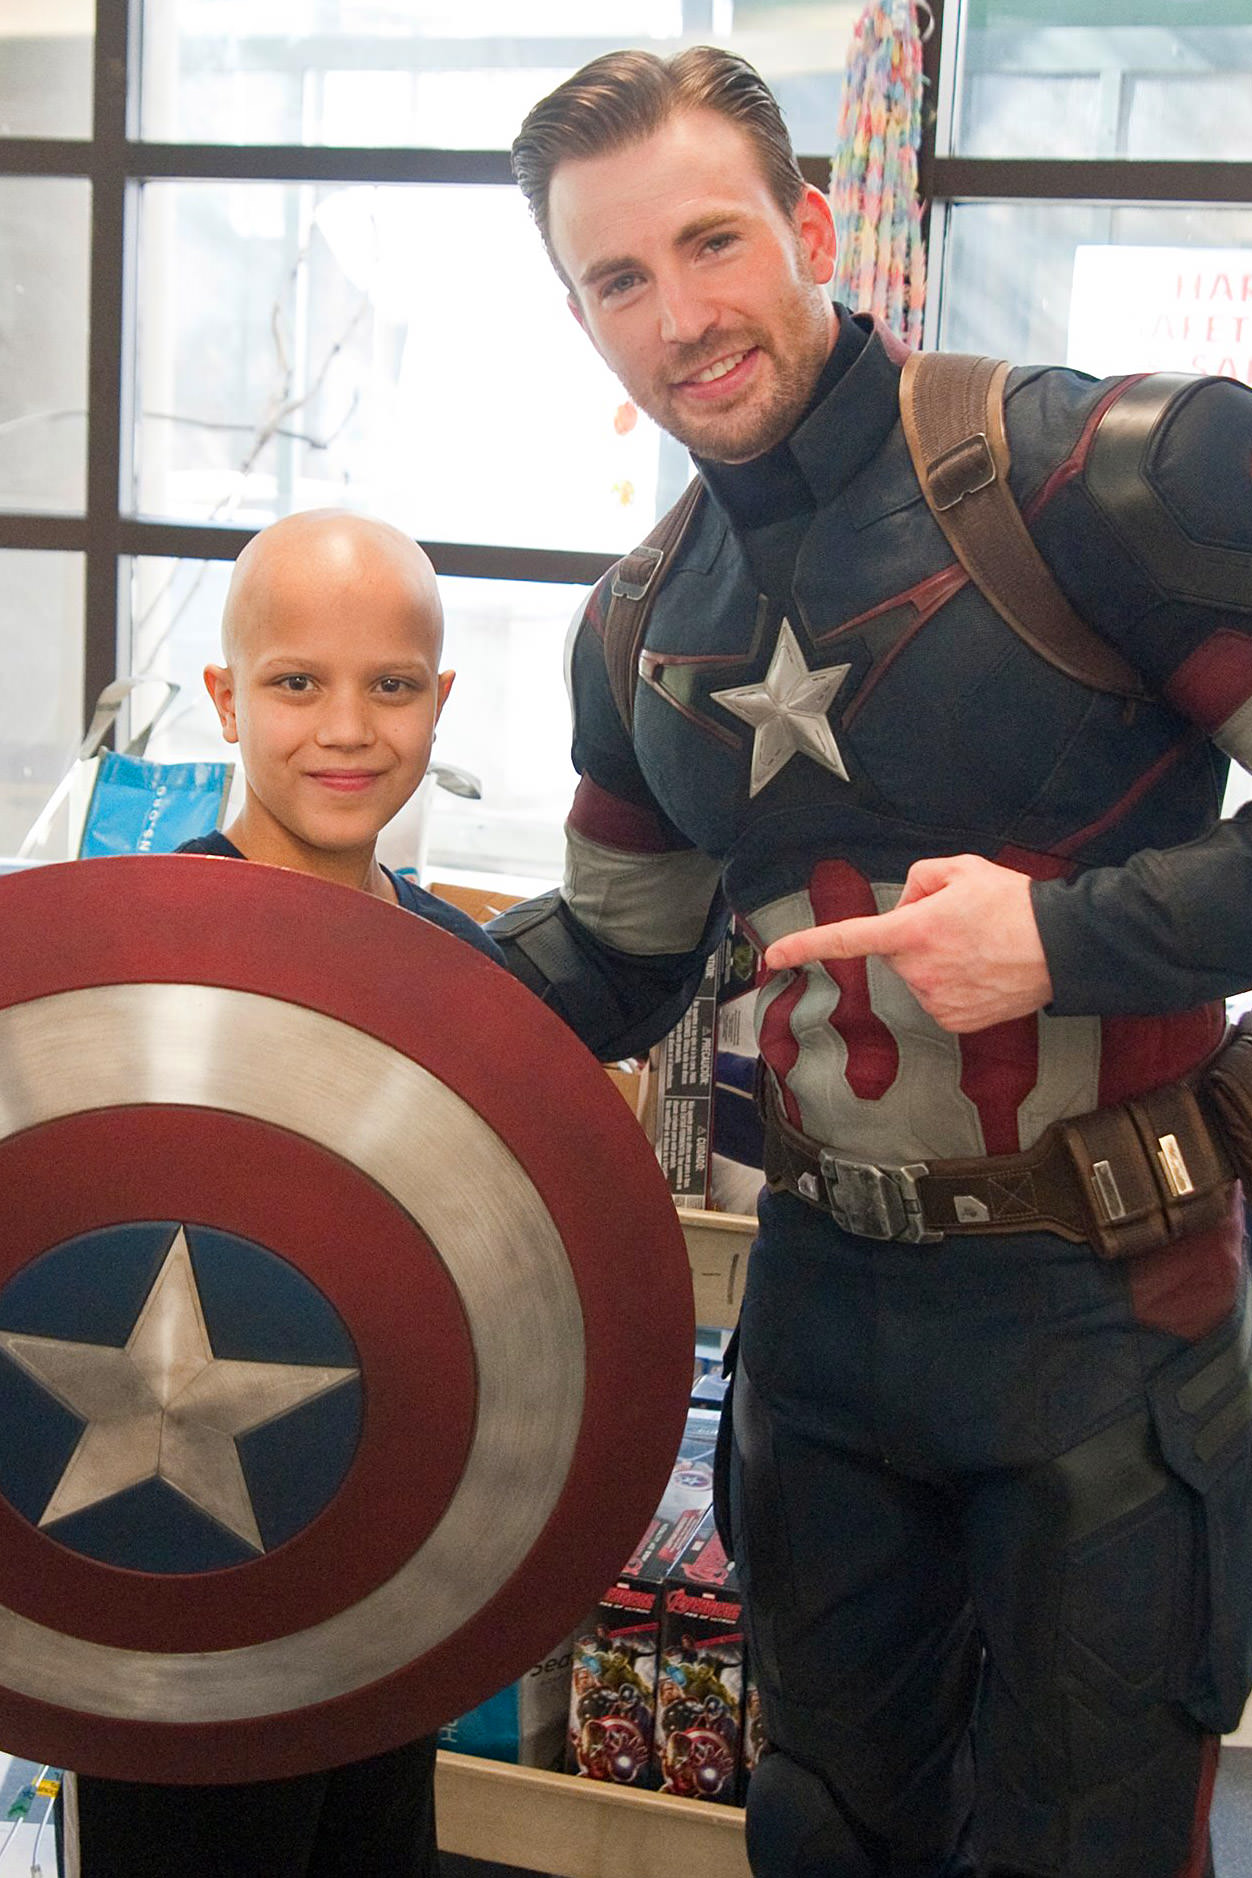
{"x": 753, "y": 1745}
{"x": 684, "y": 1098}
{"x": 687, "y": 1497}
{"x": 738, "y": 1146}
{"x": 700, "y": 1675}
{"x": 613, "y": 1680}
{"x": 707, "y": 1128}
{"x": 613, "y": 1687}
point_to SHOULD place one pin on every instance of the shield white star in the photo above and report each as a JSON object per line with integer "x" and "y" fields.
{"x": 788, "y": 712}
{"x": 164, "y": 1407}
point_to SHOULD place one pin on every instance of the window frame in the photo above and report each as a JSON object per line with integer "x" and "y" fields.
{"x": 949, "y": 180}
{"x": 117, "y": 164}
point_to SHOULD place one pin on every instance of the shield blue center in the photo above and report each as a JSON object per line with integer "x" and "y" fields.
{"x": 254, "y": 1308}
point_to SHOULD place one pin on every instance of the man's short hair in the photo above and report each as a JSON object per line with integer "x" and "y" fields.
{"x": 626, "y": 96}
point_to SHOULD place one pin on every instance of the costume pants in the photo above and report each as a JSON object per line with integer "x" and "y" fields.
{"x": 372, "y": 1818}
{"x": 992, "y": 1509}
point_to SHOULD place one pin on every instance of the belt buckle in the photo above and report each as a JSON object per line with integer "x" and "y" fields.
{"x": 876, "y": 1202}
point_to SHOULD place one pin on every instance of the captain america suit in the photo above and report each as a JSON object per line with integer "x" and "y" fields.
{"x": 990, "y": 1472}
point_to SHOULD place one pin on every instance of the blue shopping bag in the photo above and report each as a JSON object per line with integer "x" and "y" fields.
{"x": 138, "y": 807}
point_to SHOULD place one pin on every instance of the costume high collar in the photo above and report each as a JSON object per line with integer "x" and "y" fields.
{"x": 854, "y": 409}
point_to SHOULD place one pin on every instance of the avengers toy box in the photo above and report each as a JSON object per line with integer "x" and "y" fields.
{"x": 684, "y": 1101}
{"x": 687, "y": 1497}
{"x": 613, "y": 1687}
{"x": 753, "y": 1735}
{"x": 613, "y": 1680}
{"x": 700, "y": 1675}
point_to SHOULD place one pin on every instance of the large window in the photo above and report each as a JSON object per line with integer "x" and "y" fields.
{"x": 266, "y": 255}
{"x": 259, "y": 255}
{"x": 1091, "y": 185}
{"x": 1070, "y": 130}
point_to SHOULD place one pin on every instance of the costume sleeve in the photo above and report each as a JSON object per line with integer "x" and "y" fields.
{"x": 1166, "y": 499}
{"x": 619, "y": 952}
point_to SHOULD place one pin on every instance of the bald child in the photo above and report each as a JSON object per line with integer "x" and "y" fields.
{"x": 331, "y": 686}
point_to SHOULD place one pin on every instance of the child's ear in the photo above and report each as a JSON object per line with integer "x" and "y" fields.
{"x": 221, "y": 688}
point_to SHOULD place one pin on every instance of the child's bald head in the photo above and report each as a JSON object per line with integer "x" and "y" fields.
{"x": 330, "y": 685}
{"x": 312, "y": 558}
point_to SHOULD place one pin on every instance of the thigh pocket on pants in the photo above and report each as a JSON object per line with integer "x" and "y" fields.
{"x": 1201, "y": 1403}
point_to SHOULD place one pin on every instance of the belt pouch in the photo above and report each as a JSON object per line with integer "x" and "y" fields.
{"x": 1148, "y": 1171}
{"x": 1116, "y": 1185}
{"x": 1228, "y": 1087}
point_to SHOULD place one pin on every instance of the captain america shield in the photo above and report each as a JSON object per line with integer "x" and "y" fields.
{"x": 345, "y": 1323}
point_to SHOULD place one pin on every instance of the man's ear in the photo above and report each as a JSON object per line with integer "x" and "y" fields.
{"x": 575, "y": 306}
{"x": 221, "y": 688}
{"x": 815, "y": 225}
{"x": 443, "y": 685}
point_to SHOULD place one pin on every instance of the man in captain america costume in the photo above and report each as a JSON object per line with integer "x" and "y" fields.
{"x": 991, "y": 1478}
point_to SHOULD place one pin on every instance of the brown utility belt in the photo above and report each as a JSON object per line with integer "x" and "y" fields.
{"x": 1127, "y": 1178}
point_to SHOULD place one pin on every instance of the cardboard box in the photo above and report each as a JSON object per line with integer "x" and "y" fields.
{"x": 707, "y": 1130}
{"x": 687, "y": 1498}
{"x": 684, "y": 1095}
{"x": 738, "y": 1150}
{"x": 525, "y": 1723}
{"x": 700, "y": 1675}
{"x": 613, "y": 1680}
{"x": 753, "y": 1744}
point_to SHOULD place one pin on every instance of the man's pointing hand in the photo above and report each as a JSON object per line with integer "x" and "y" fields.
{"x": 962, "y": 936}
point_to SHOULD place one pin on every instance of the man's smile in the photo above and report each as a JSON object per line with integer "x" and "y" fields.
{"x": 732, "y": 366}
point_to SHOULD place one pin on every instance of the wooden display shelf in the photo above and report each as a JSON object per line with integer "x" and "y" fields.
{"x": 717, "y": 1250}
{"x": 573, "y": 1828}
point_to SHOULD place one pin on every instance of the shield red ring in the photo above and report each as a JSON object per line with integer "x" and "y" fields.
{"x": 371, "y": 1174}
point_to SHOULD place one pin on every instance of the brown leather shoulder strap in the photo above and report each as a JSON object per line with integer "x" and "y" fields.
{"x": 952, "y": 410}
{"x": 636, "y": 582}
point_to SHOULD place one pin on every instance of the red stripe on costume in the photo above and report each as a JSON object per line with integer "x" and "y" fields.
{"x": 778, "y": 1045}
{"x": 618, "y": 824}
{"x": 1188, "y": 1288}
{"x": 1073, "y": 844}
{"x": 839, "y": 892}
{"x": 925, "y": 601}
{"x": 1210, "y": 686}
{"x": 1038, "y": 866}
{"x": 1142, "y": 1053}
{"x": 1198, "y": 1853}
{"x": 999, "y": 1068}
{"x": 1076, "y": 461}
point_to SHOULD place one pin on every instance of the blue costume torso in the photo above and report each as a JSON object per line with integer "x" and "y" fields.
{"x": 907, "y": 720}
{"x": 994, "y": 1460}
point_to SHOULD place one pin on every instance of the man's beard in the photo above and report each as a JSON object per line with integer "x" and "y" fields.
{"x": 765, "y": 417}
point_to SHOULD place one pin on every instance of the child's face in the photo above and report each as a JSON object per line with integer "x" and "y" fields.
{"x": 332, "y": 694}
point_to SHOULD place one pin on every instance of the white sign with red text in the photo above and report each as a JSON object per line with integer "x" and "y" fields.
{"x": 1162, "y": 310}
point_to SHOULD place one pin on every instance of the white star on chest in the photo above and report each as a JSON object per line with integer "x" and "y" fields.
{"x": 788, "y": 712}
{"x": 164, "y": 1407}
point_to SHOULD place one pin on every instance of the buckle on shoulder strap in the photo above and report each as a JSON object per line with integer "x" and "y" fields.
{"x": 635, "y": 573}
{"x": 876, "y": 1202}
